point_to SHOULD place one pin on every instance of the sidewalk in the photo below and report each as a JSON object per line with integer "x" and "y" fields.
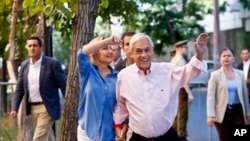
{"x": 197, "y": 127}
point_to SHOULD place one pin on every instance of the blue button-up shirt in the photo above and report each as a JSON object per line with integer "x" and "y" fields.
{"x": 97, "y": 100}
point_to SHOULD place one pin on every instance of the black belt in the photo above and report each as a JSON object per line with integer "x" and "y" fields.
{"x": 139, "y": 137}
{"x": 35, "y": 103}
{"x": 233, "y": 106}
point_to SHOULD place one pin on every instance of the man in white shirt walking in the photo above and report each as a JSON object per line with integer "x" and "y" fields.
{"x": 244, "y": 66}
{"x": 38, "y": 82}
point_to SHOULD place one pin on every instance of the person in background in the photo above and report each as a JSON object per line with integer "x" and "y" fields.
{"x": 97, "y": 90}
{"x": 245, "y": 67}
{"x": 126, "y": 36}
{"x": 147, "y": 92}
{"x": 125, "y": 47}
{"x": 185, "y": 94}
{"x": 172, "y": 54}
{"x": 38, "y": 82}
{"x": 227, "y": 97}
{"x": 117, "y": 58}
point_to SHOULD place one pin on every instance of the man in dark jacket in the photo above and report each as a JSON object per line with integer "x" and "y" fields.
{"x": 245, "y": 66}
{"x": 125, "y": 47}
{"x": 38, "y": 83}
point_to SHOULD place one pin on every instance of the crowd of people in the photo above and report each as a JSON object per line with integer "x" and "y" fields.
{"x": 133, "y": 98}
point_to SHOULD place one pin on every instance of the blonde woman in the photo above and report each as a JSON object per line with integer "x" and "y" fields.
{"x": 97, "y": 90}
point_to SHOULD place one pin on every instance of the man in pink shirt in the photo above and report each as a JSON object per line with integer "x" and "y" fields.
{"x": 147, "y": 92}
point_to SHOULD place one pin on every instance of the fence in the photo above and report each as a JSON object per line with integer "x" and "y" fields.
{"x": 6, "y": 92}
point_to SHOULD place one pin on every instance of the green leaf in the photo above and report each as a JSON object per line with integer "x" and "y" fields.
{"x": 61, "y": 7}
{"x": 105, "y": 4}
{"x": 64, "y": 10}
{"x": 64, "y": 1}
{"x": 34, "y": 10}
{"x": 49, "y": 2}
{"x": 27, "y": 3}
{"x": 4, "y": 3}
{"x": 48, "y": 9}
{"x": 50, "y": 20}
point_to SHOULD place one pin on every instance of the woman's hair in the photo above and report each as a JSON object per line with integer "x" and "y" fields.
{"x": 93, "y": 57}
{"x": 225, "y": 49}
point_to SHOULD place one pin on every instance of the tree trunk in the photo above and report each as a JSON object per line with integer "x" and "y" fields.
{"x": 12, "y": 43}
{"x": 12, "y": 37}
{"x": 83, "y": 30}
{"x": 22, "y": 132}
{"x": 184, "y": 3}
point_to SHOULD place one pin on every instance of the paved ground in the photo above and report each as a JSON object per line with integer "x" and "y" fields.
{"x": 197, "y": 127}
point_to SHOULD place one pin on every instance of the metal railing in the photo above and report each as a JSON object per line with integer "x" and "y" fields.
{"x": 5, "y": 105}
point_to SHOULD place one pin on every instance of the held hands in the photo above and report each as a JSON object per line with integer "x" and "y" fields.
{"x": 201, "y": 45}
{"x": 120, "y": 133}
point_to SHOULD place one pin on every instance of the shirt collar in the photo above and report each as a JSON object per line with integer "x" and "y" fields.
{"x": 39, "y": 61}
{"x": 113, "y": 71}
{"x": 136, "y": 69}
{"x": 246, "y": 62}
{"x": 118, "y": 60}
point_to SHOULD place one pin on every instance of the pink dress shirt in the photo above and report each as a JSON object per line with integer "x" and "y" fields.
{"x": 150, "y": 101}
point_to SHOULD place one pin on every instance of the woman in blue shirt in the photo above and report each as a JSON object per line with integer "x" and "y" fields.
{"x": 97, "y": 90}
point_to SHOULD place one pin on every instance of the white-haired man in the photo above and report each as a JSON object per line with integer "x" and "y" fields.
{"x": 146, "y": 91}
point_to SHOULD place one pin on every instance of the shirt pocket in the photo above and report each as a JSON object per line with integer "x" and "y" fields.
{"x": 160, "y": 96}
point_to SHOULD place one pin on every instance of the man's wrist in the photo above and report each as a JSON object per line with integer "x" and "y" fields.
{"x": 117, "y": 126}
{"x": 200, "y": 57}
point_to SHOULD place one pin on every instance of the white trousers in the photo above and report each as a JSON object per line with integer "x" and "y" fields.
{"x": 82, "y": 136}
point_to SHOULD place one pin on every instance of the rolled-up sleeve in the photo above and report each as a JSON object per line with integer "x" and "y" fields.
{"x": 182, "y": 75}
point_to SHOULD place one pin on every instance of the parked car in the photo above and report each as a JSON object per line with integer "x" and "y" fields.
{"x": 202, "y": 79}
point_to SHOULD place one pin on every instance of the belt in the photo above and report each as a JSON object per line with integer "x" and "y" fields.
{"x": 35, "y": 103}
{"x": 233, "y": 106}
{"x": 139, "y": 137}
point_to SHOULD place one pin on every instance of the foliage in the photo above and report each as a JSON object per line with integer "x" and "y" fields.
{"x": 157, "y": 21}
{"x": 60, "y": 15}
{"x": 5, "y": 23}
{"x": 61, "y": 47}
{"x": 244, "y": 39}
{"x": 245, "y": 4}
{"x": 167, "y": 22}
{"x": 47, "y": 7}
{"x": 25, "y": 26}
{"x": 127, "y": 9}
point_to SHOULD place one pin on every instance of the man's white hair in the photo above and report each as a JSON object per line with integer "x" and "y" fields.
{"x": 137, "y": 37}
